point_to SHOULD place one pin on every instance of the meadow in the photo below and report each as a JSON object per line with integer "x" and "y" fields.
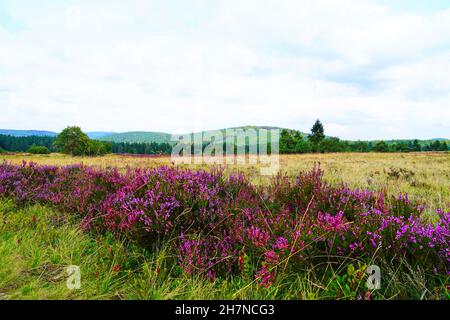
{"x": 190, "y": 232}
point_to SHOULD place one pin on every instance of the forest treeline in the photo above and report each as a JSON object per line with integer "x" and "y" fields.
{"x": 294, "y": 142}
{"x": 25, "y": 144}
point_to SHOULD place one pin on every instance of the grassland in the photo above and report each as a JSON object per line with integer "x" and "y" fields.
{"x": 36, "y": 243}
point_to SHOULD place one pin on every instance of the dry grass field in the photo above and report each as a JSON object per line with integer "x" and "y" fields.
{"x": 424, "y": 176}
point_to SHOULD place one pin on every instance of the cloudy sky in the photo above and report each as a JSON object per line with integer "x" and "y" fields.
{"x": 367, "y": 68}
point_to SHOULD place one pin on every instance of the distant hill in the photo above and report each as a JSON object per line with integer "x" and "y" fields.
{"x": 41, "y": 133}
{"x": 138, "y": 137}
{"x": 160, "y": 137}
{"x": 27, "y": 133}
{"x": 99, "y": 134}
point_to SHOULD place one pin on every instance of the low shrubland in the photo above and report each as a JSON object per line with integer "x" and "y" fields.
{"x": 300, "y": 232}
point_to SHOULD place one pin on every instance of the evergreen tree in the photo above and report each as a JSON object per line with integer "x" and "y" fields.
{"x": 416, "y": 146}
{"x": 317, "y": 134}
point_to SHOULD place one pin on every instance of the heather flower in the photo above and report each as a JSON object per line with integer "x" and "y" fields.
{"x": 281, "y": 244}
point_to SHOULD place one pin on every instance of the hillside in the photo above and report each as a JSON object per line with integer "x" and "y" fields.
{"x": 43, "y": 133}
{"x": 27, "y": 133}
{"x": 99, "y": 134}
{"x": 160, "y": 137}
{"x": 138, "y": 137}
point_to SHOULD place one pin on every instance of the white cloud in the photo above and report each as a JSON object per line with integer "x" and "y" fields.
{"x": 365, "y": 69}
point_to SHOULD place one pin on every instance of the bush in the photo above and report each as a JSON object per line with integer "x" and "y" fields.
{"x": 2, "y": 151}
{"x": 39, "y": 150}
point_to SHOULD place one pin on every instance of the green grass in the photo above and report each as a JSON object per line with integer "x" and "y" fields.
{"x": 37, "y": 244}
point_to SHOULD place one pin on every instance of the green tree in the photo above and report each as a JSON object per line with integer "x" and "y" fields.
{"x": 317, "y": 134}
{"x": 303, "y": 146}
{"x": 38, "y": 150}
{"x": 332, "y": 145}
{"x": 287, "y": 142}
{"x": 399, "y": 147}
{"x": 416, "y": 146}
{"x": 381, "y": 146}
{"x": 73, "y": 141}
{"x": 97, "y": 148}
{"x": 360, "y": 146}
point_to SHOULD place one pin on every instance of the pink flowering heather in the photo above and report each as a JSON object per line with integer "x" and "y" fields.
{"x": 213, "y": 221}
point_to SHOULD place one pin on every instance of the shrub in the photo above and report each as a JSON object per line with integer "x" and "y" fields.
{"x": 2, "y": 151}
{"x": 38, "y": 150}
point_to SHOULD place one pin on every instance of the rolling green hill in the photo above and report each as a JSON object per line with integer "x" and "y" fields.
{"x": 41, "y": 133}
{"x": 160, "y": 137}
{"x": 139, "y": 137}
{"x": 27, "y": 133}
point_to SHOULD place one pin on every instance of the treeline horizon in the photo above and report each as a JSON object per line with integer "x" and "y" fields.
{"x": 10, "y": 143}
{"x": 291, "y": 142}
{"x": 288, "y": 146}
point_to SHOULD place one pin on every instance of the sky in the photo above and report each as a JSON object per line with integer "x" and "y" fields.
{"x": 369, "y": 69}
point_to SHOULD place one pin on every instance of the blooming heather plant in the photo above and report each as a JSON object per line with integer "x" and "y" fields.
{"x": 218, "y": 225}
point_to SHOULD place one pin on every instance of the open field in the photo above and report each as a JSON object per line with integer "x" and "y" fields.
{"x": 424, "y": 176}
{"x": 211, "y": 237}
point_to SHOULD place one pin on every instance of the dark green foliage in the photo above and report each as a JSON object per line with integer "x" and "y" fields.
{"x": 415, "y": 146}
{"x": 22, "y": 144}
{"x": 39, "y": 150}
{"x": 400, "y": 147}
{"x": 333, "y": 145}
{"x": 436, "y": 146}
{"x": 287, "y": 142}
{"x": 98, "y": 148}
{"x": 72, "y": 141}
{"x": 317, "y": 133}
{"x": 75, "y": 142}
{"x": 2, "y": 151}
{"x": 303, "y": 146}
{"x": 141, "y": 148}
{"x": 381, "y": 146}
{"x": 359, "y": 146}
{"x": 292, "y": 141}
